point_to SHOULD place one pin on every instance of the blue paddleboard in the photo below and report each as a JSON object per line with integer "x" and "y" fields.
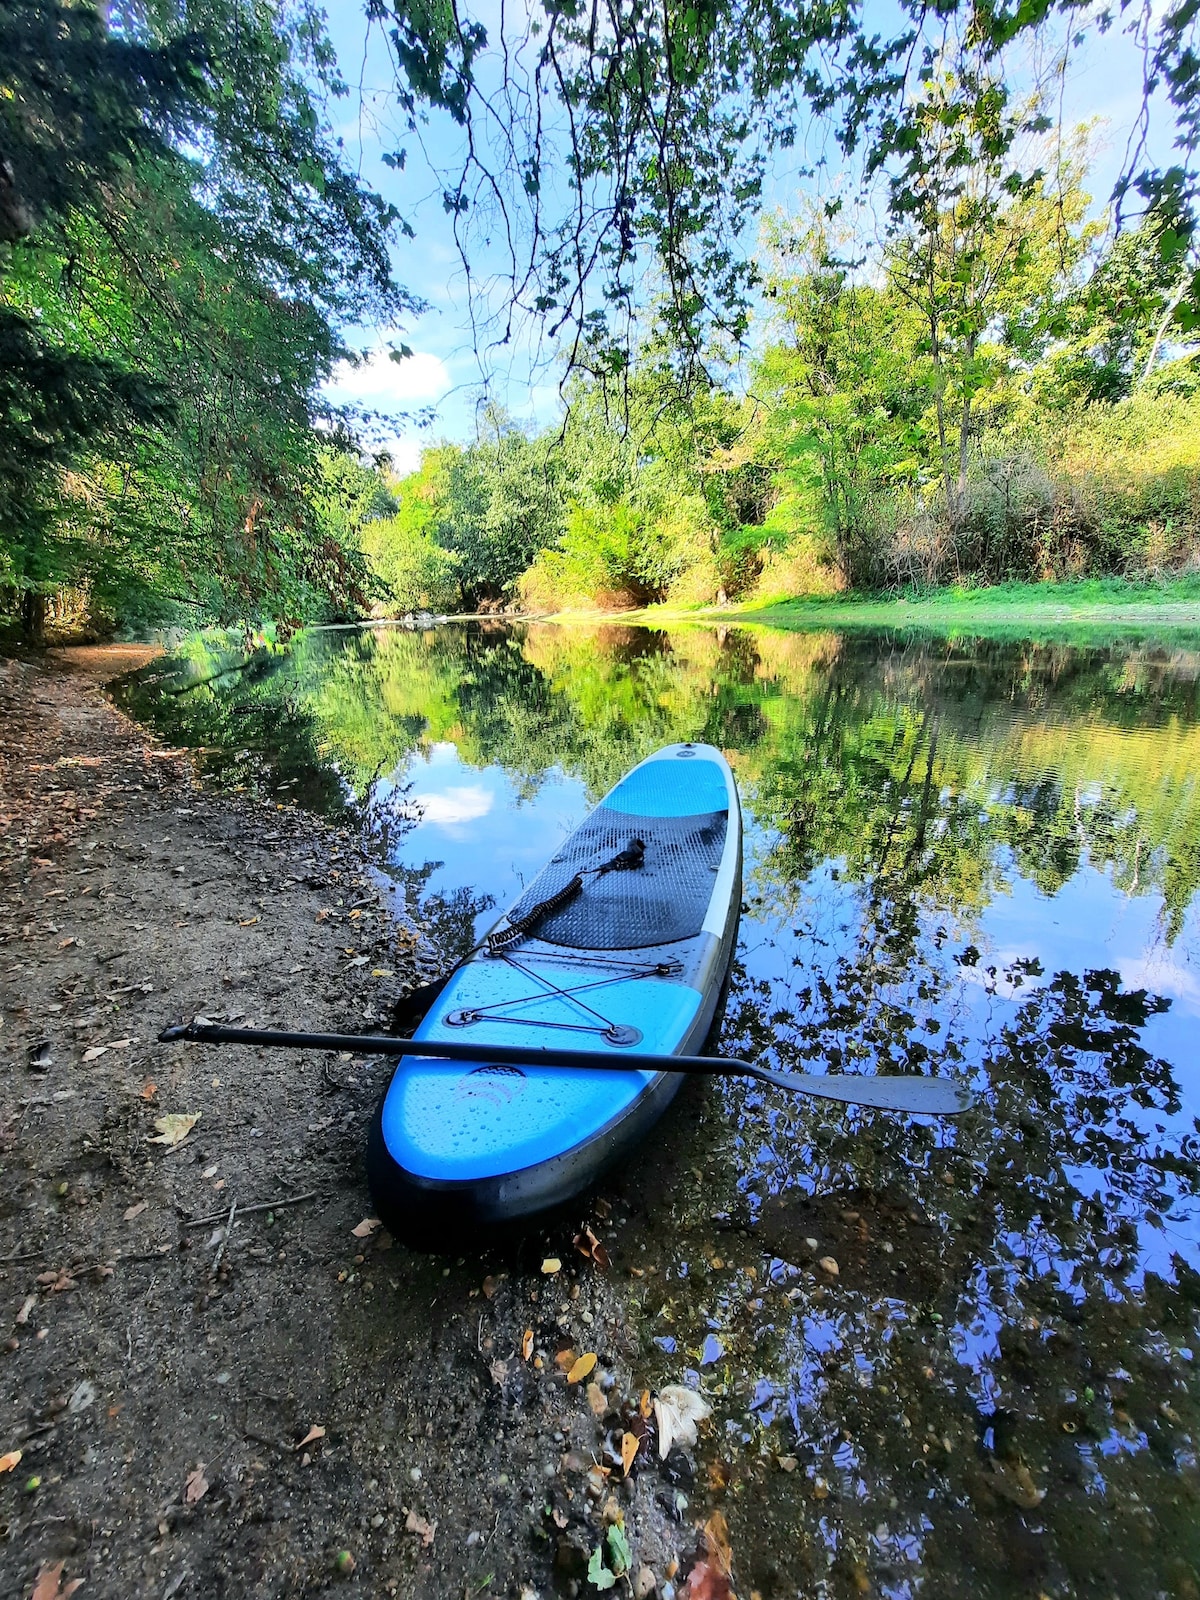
{"x": 620, "y": 945}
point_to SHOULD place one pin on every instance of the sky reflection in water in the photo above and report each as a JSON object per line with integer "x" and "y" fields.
{"x": 977, "y": 858}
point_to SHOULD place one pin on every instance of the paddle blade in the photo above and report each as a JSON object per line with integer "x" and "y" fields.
{"x": 926, "y": 1097}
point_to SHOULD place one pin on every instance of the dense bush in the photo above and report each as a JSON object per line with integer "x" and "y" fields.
{"x": 1105, "y": 489}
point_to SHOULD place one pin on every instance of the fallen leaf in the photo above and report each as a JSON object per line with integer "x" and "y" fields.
{"x": 382, "y": 972}
{"x": 629, "y": 1449}
{"x": 247, "y": 922}
{"x": 48, "y": 1584}
{"x": 314, "y": 1433}
{"x": 582, "y": 1367}
{"x": 196, "y": 1486}
{"x": 149, "y": 1090}
{"x": 366, "y": 1227}
{"x": 644, "y": 1406}
{"x": 677, "y": 1411}
{"x": 551, "y": 1265}
{"x": 709, "y": 1579}
{"x": 527, "y": 1345}
{"x": 136, "y": 1211}
{"x": 95, "y": 1052}
{"x": 9, "y": 1460}
{"x": 787, "y": 1463}
{"x": 65, "y": 944}
{"x": 418, "y": 1525}
{"x": 1014, "y": 1483}
{"x": 27, "y": 1305}
{"x": 56, "y": 1281}
{"x": 499, "y": 1372}
{"x": 565, "y": 1360}
{"x": 119, "y": 1044}
{"x": 598, "y": 1574}
{"x": 597, "y": 1399}
{"x": 82, "y": 1398}
{"x": 174, "y": 1128}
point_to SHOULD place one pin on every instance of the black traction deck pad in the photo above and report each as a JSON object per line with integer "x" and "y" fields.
{"x": 659, "y": 902}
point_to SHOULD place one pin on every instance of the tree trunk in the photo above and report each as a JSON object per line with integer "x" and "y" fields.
{"x": 964, "y": 427}
{"x": 33, "y": 616}
{"x": 939, "y": 398}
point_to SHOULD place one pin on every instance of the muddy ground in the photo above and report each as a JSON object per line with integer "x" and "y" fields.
{"x": 296, "y": 1406}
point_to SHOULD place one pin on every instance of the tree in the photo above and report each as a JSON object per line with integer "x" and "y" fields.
{"x": 978, "y": 255}
{"x": 600, "y": 139}
{"x": 173, "y": 305}
{"x": 838, "y": 415}
{"x": 1112, "y": 330}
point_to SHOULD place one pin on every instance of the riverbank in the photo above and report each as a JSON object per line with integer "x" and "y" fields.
{"x": 292, "y": 1401}
{"x": 1102, "y": 606}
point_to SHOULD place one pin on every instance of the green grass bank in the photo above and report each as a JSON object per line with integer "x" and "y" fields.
{"x": 1100, "y": 606}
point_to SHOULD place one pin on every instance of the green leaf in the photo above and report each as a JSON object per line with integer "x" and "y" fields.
{"x": 598, "y": 1574}
{"x": 618, "y": 1549}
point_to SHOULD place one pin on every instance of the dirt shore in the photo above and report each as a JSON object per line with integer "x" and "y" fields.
{"x": 303, "y": 1403}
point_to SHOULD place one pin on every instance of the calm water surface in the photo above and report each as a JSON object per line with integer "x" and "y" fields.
{"x": 973, "y": 859}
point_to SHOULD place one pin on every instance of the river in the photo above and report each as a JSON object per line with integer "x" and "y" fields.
{"x": 972, "y": 858}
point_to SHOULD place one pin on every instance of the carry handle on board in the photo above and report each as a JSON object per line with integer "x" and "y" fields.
{"x": 929, "y": 1097}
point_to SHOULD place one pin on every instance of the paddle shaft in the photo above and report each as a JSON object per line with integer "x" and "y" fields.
{"x": 926, "y": 1096}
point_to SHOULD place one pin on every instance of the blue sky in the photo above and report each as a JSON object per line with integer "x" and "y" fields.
{"x": 1104, "y": 82}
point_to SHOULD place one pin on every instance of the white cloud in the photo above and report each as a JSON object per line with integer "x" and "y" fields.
{"x": 1161, "y": 974}
{"x": 405, "y": 451}
{"x": 379, "y": 382}
{"x": 453, "y": 806}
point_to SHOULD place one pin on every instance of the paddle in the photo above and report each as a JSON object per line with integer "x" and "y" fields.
{"x": 930, "y": 1097}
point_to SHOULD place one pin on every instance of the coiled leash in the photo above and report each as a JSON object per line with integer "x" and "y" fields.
{"x": 633, "y": 856}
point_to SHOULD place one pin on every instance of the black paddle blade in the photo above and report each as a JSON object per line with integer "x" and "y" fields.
{"x": 920, "y": 1097}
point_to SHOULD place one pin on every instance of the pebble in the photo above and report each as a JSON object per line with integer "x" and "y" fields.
{"x": 415, "y": 1474}
{"x": 829, "y": 1265}
{"x": 644, "y": 1584}
{"x": 377, "y": 1520}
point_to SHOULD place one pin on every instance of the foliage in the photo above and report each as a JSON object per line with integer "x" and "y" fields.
{"x": 470, "y": 521}
{"x": 608, "y": 143}
{"x": 170, "y": 306}
{"x": 416, "y": 573}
